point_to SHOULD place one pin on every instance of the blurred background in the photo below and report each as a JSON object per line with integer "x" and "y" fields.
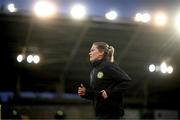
{"x": 44, "y": 56}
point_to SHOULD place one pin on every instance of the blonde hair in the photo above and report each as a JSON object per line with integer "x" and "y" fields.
{"x": 111, "y": 54}
{"x": 108, "y": 50}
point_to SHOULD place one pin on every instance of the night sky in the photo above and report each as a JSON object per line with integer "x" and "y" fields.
{"x": 125, "y": 8}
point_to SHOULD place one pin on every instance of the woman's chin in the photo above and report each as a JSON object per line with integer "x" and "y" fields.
{"x": 91, "y": 60}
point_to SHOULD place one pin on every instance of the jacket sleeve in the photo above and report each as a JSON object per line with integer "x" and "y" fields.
{"x": 120, "y": 81}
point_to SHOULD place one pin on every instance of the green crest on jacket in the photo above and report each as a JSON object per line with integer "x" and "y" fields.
{"x": 100, "y": 75}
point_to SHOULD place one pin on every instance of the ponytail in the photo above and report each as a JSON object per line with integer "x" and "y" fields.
{"x": 111, "y": 53}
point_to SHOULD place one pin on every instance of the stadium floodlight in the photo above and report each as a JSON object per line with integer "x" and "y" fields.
{"x": 152, "y": 68}
{"x": 20, "y": 58}
{"x": 163, "y": 67}
{"x": 11, "y": 7}
{"x": 170, "y": 69}
{"x": 160, "y": 19}
{"x": 36, "y": 59}
{"x": 44, "y": 9}
{"x": 111, "y": 15}
{"x": 78, "y": 12}
{"x": 138, "y": 17}
{"x": 145, "y": 17}
{"x": 29, "y": 58}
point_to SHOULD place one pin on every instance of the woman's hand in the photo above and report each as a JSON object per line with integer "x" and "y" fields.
{"x": 104, "y": 94}
{"x": 81, "y": 90}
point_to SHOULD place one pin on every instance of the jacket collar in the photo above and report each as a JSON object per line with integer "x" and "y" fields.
{"x": 96, "y": 63}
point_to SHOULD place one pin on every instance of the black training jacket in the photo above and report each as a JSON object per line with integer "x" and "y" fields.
{"x": 109, "y": 77}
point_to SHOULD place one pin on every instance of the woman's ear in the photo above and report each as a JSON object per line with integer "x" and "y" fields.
{"x": 101, "y": 53}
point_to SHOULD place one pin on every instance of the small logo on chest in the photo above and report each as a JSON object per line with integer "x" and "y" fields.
{"x": 100, "y": 75}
